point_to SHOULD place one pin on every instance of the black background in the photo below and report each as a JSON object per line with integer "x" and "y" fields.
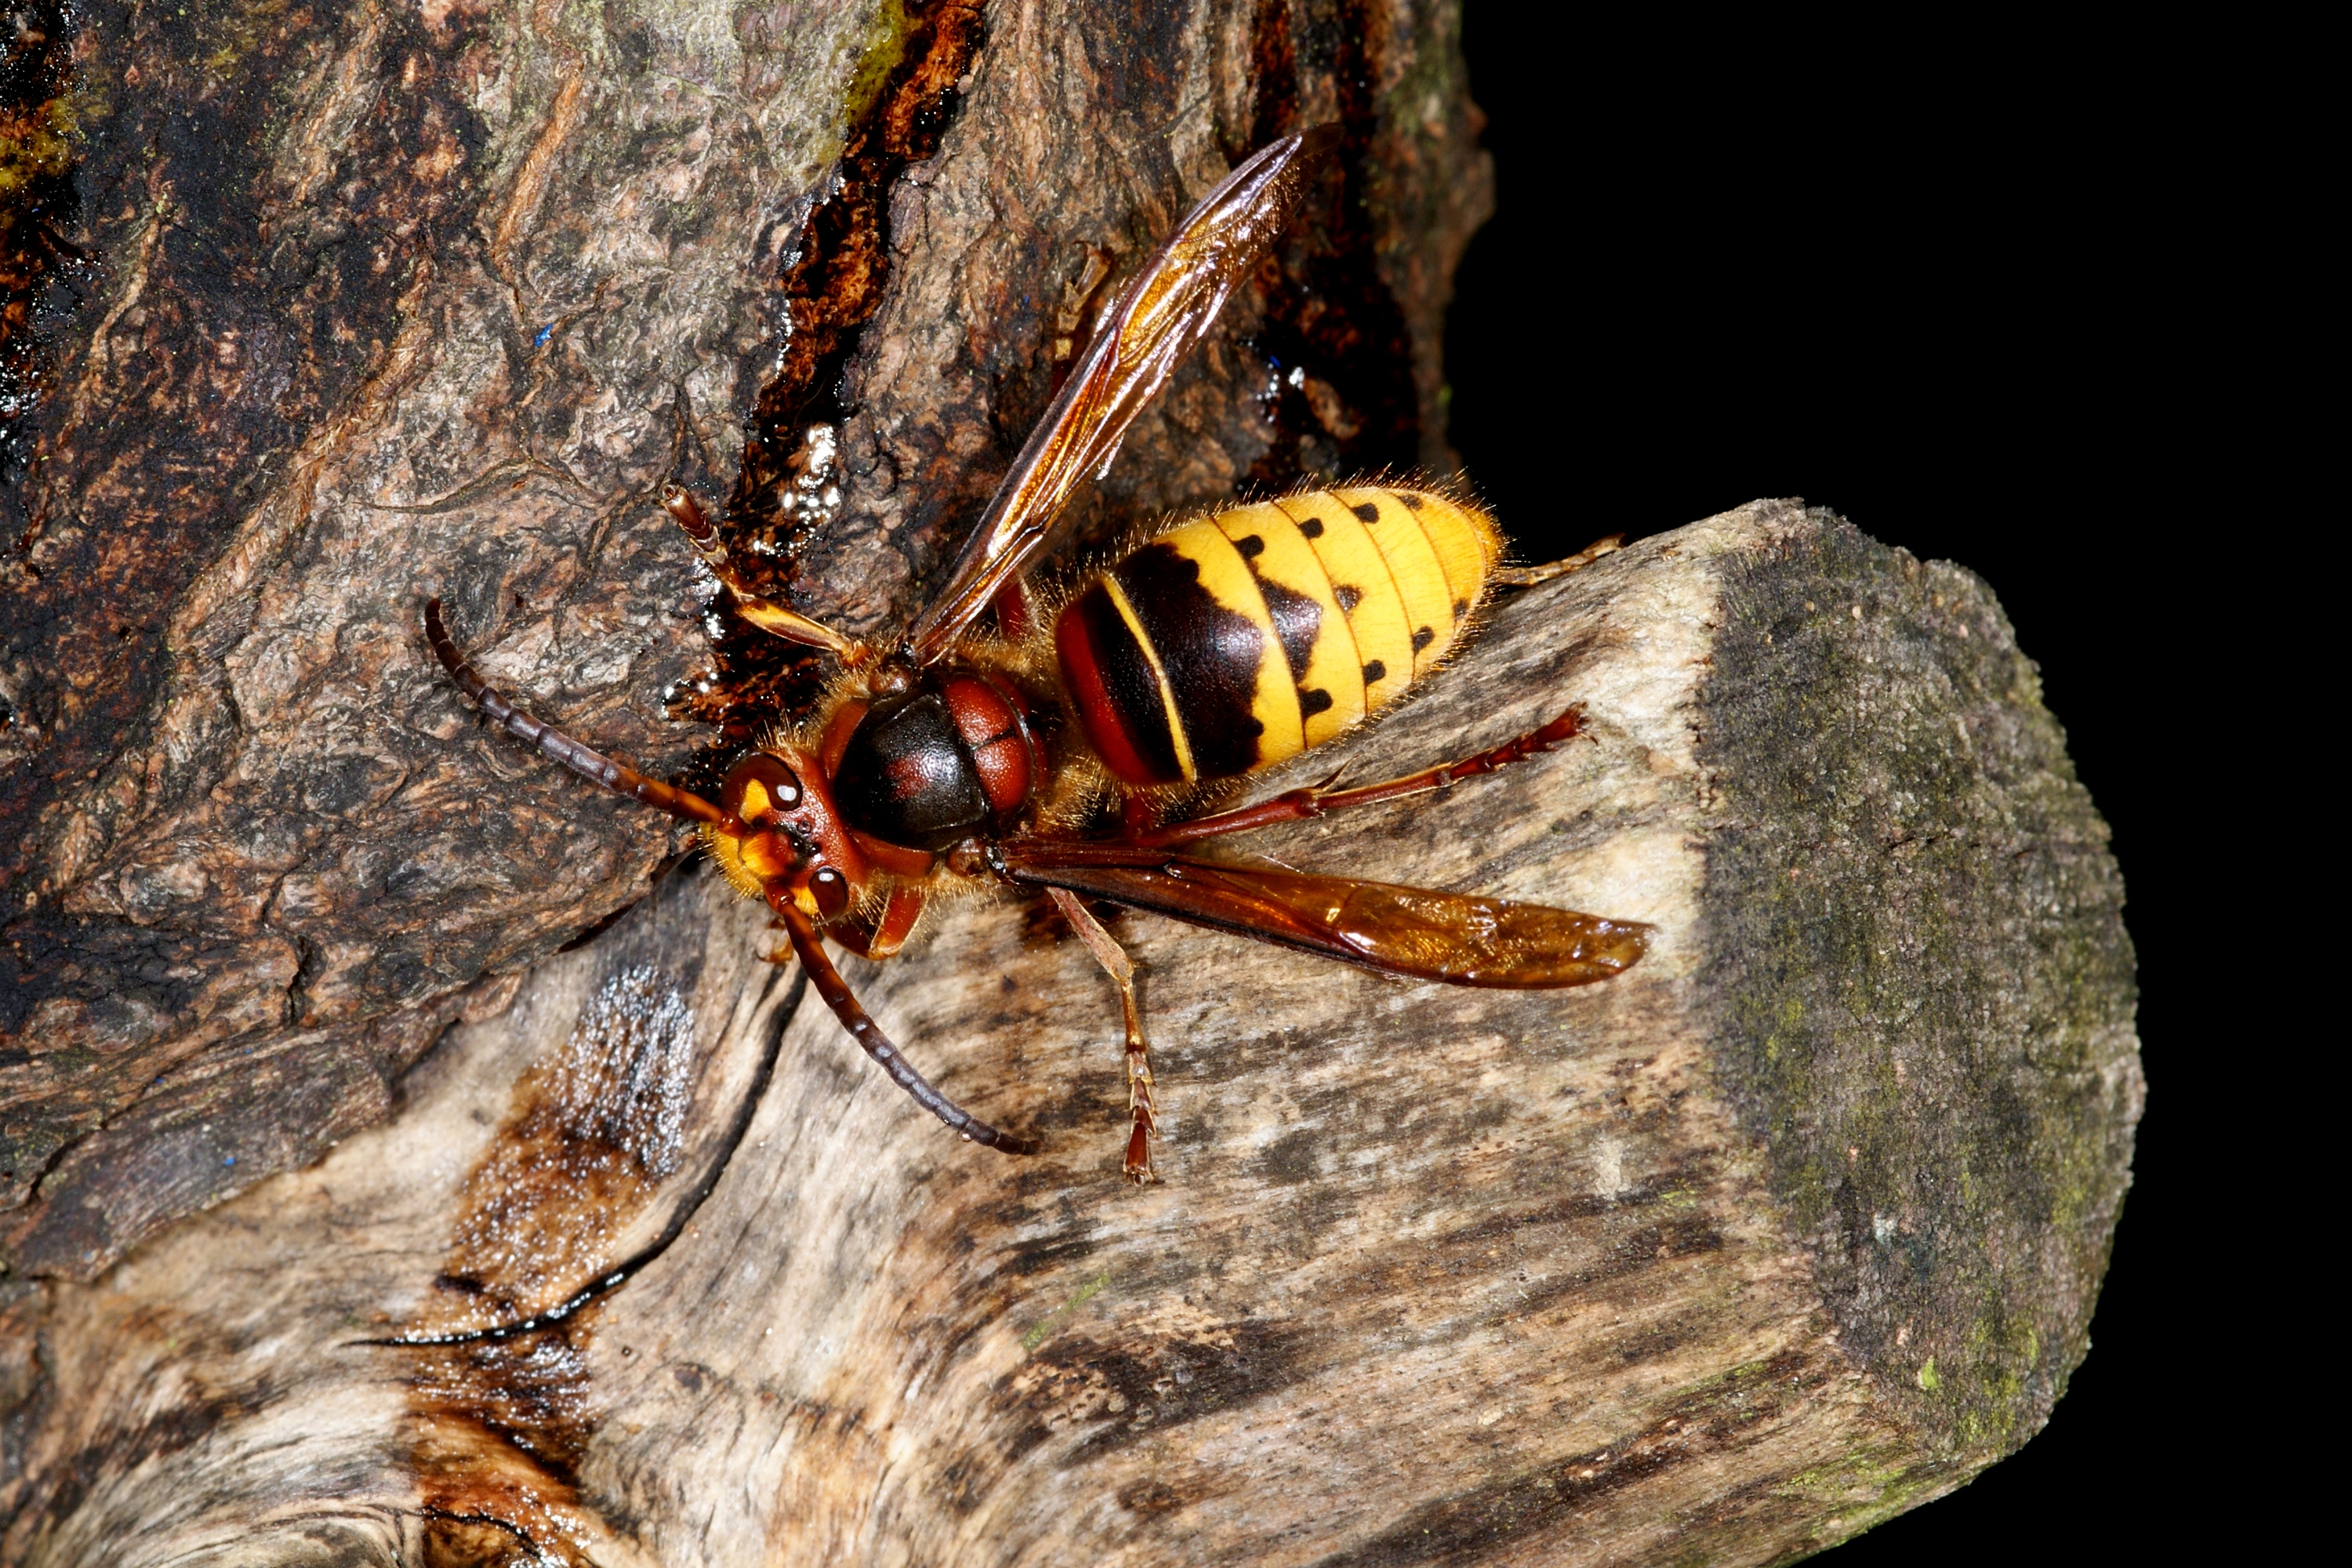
{"x": 1963, "y": 291}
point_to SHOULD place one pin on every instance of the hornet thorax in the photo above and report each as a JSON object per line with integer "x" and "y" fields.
{"x": 949, "y": 757}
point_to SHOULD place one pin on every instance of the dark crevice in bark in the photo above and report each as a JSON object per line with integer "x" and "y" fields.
{"x": 682, "y": 861}
{"x": 681, "y": 1216}
{"x": 831, "y": 286}
{"x": 1343, "y": 400}
{"x": 512, "y": 1399}
{"x": 443, "y": 1525}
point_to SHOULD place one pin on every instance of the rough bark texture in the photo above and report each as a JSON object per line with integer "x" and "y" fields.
{"x": 397, "y": 301}
{"x": 1797, "y": 1223}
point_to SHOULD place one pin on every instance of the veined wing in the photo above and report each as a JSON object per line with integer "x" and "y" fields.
{"x": 1461, "y": 938}
{"x": 1159, "y": 318}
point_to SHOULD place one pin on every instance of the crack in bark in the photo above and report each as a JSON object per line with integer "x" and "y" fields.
{"x": 831, "y": 286}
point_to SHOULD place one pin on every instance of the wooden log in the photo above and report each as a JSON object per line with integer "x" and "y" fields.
{"x": 1795, "y": 1225}
{"x": 390, "y": 301}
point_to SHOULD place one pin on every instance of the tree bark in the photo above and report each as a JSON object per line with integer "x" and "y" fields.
{"x": 1796, "y": 1224}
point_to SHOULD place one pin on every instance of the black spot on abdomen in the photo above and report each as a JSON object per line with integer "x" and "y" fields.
{"x": 1297, "y": 621}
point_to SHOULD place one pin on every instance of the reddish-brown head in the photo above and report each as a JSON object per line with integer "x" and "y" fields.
{"x": 793, "y": 848}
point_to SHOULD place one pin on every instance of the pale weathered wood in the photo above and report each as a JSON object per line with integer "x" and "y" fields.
{"x": 1795, "y": 1225}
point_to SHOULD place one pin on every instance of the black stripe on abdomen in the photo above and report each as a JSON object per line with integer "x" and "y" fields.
{"x": 1210, "y": 654}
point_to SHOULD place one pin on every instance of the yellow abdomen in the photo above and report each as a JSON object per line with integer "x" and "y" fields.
{"x": 1240, "y": 640}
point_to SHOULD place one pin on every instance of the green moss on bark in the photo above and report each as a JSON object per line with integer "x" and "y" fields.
{"x": 1927, "y": 990}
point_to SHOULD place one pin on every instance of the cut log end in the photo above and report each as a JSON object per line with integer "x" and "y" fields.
{"x": 1927, "y": 995}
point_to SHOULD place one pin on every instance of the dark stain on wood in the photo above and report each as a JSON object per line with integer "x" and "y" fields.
{"x": 455, "y": 1539}
{"x": 502, "y": 1423}
{"x": 1186, "y": 1378}
{"x": 61, "y": 1490}
{"x": 1028, "y": 1260}
{"x": 833, "y": 283}
{"x": 1103, "y": 1396}
{"x": 1474, "y": 1526}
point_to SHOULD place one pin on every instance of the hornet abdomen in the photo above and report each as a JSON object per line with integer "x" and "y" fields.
{"x": 1240, "y": 640}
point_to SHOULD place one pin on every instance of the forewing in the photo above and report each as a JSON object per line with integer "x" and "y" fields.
{"x": 1159, "y": 318}
{"x": 1459, "y": 938}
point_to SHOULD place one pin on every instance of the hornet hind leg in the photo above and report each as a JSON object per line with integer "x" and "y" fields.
{"x": 1297, "y": 804}
{"x": 1121, "y": 969}
{"x": 1527, "y": 576}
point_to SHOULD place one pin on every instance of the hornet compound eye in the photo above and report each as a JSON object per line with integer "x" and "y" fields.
{"x": 759, "y": 787}
{"x": 831, "y": 890}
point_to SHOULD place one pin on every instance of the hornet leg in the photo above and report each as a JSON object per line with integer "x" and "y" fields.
{"x": 765, "y": 614}
{"x": 1121, "y": 969}
{"x": 1527, "y": 576}
{"x": 1297, "y": 804}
